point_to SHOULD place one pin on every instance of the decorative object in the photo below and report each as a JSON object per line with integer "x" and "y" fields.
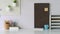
{"x": 7, "y": 25}
{"x": 14, "y": 2}
{"x": 39, "y": 29}
{"x": 8, "y": 8}
{"x": 45, "y": 9}
{"x": 13, "y": 28}
{"x": 46, "y": 27}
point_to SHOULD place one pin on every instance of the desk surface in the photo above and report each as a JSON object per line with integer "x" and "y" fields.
{"x": 30, "y": 31}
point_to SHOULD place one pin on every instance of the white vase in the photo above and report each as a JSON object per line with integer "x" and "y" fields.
{"x": 7, "y": 8}
{"x": 14, "y": 4}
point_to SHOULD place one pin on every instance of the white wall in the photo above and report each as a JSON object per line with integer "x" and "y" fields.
{"x": 27, "y": 10}
{"x": 54, "y": 5}
{"x": 25, "y": 18}
{"x": 27, "y": 13}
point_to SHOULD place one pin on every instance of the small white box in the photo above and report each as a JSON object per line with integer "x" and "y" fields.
{"x": 39, "y": 29}
{"x": 13, "y": 28}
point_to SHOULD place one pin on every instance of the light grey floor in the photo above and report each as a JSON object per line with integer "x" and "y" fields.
{"x": 30, "y": 31}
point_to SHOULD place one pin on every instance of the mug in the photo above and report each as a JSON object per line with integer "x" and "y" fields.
{"x": 46, "y": 27}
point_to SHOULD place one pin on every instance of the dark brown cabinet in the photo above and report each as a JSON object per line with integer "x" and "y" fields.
{"x": 41, "y": 14}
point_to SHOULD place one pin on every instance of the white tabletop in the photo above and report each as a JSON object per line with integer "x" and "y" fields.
{"x": 31, "y": 31}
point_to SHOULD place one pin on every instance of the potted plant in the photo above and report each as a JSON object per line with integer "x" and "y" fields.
{"x": 8, "y": 8}
{"x": 14, "y": 3}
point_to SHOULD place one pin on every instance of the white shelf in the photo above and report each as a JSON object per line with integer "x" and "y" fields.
{"x": 55, "y": 23}
{"x": 55, "y": 17}
{"x": 55, "y": 26}
{"x": 55, "y": 20}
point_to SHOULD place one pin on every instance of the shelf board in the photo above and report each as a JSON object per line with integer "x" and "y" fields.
{"x": 55, "y": 20}
{"x": 55, "y": 26}
{"x": 55, "y": 23}
{"x": 55, "y": 17}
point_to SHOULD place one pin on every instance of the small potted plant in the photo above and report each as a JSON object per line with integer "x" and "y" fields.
{"x": 8, "y": 8}
{"x": 14, "y": 3}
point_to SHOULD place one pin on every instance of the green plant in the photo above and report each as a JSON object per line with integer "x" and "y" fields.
{"x": 9, "y": 6}
{"x": 14, "y": 1}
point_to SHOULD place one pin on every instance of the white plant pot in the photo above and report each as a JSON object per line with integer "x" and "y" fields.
{"x": 8, "y": 9}
{"x": 14, "y": 4}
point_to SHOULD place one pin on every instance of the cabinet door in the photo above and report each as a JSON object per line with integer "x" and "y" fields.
{"x": 41, "y": 14}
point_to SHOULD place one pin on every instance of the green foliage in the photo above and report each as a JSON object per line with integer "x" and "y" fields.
{"x": 9, "y": 6}
{"x": 14, "y": 1}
